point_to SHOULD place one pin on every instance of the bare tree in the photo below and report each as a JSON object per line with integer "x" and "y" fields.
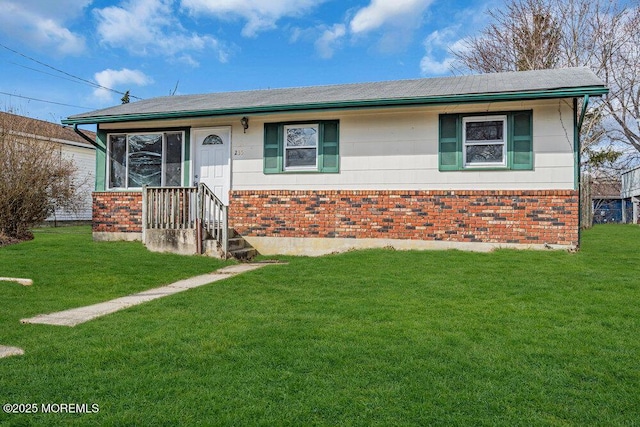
{"x": 35, "y": 177}
{"x": 524, "y": 36}
{"x": 619, "y": 60}
{"x": 601, "y": 34}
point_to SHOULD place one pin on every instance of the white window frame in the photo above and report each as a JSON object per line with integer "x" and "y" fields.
{"x": 163, "y": 157}
{"x": 126, "y": 166}
{"x": 503, "y": 141}
{"x": 315, "y": 126}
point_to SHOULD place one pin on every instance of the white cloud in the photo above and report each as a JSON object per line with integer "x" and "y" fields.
{"x": 438, "y": 47}
{"x": 260, "y": 14}
{"x": 149, "y": 26}
{"x": 187, "y": 60}
{"x": 325, "y": 45}
{"x": 112, "y": 79}
{"x": 398, "y": 13}
{"x": 442, "y": 43}
{"x": 430, "y": 66}
{"x": 393, "y": 22}
{"x": 57, "y": 10}
{"x": 42, "y": 24}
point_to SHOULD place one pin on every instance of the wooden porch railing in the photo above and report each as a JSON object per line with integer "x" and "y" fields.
{"x": 213, "y": 217}
{"x": 186, "y": 208}
{"x": 169, "y": 208}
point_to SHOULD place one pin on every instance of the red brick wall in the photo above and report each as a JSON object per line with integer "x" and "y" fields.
{"x": 529, "y": 217}
{"x": 117, "y": 212}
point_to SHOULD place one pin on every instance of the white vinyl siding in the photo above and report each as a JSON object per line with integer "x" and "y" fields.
{"x": 397, "y": 149}
{"x": 84, "y": 159}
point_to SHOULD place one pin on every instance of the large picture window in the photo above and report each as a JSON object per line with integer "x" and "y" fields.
{"x": 139, "y": 159}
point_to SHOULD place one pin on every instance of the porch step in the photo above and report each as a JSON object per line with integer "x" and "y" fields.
{"x": 244, "y": 254}
{"x": 239, "y": 248}
{"x": 236, "y": 243}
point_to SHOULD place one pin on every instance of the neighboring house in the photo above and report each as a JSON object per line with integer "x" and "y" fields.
{"x": 472, "y": 162}
{"x": 607, "y": 205}
{"x": 72, "y": 147}
{"x": 631, "y": 194}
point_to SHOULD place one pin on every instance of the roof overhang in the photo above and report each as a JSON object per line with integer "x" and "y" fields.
{"x": 343, "y": 105}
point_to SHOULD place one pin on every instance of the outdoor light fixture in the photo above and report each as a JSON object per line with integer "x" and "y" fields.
{"x": 245, "y": 123}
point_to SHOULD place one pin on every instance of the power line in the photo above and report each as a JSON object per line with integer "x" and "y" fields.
{"x": 48, "y": 102}
{"x": 43, "y": 72}
{"x": 89, "y": 82}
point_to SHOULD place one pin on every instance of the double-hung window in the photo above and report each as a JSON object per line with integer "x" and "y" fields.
{"x": 484, "y": 140}
{"x": 301, "y": 147}
{"x": 138, "y": 159}
{"x": 500, "y": 141}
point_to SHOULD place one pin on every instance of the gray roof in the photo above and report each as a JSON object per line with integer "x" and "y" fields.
{"x": 556, "y": 83}
{"x": 47, "y": 130}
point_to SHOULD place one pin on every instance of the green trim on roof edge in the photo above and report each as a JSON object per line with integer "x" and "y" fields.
{"x": 376, "y": 103}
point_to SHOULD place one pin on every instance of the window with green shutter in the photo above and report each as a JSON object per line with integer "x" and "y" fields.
{"x": 480, "y": 141}
{"x": 295, "y": 147}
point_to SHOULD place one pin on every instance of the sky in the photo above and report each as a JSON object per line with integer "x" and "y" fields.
{"x": 81, "y": 55}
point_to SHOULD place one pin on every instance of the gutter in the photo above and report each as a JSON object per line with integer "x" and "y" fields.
{"x": 83, "y": 136}
{"x": 341, "y": 105}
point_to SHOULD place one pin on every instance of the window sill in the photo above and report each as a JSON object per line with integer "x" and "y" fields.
{"x": 487, "y": 169}
{"x": 301, "y": 172}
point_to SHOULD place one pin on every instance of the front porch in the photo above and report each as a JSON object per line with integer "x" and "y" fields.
{"x": 183, "y": 220}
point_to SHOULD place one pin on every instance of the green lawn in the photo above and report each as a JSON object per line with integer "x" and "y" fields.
{"x": 375, "y": 337}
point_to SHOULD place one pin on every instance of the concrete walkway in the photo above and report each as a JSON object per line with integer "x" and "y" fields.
{"x": 23, "y": 282}
{"x": 79, "y": 315}
{"x": 6, "y": 351}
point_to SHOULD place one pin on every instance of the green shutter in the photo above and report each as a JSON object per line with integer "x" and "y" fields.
{"x": 450, "y": 145}
{"x": 329, "y": 159}
{"x": 521, "y": 140}
{"x": 272, "y": 148}
{"x": 101, "y": 161}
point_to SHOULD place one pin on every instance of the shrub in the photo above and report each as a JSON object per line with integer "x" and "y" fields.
{"x": 35, "y": 177}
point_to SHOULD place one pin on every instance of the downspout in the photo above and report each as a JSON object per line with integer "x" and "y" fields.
{"x": 85, "y": 137}
{"x": 584, "y": 111}
{"x": 577, "y": 150}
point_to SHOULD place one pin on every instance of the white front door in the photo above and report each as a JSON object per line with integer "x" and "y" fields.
{"x": 212, "y": 159}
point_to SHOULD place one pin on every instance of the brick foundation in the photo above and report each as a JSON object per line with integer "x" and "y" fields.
{"x": 117, "y": 212}
{"x": 514, "y": 217}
